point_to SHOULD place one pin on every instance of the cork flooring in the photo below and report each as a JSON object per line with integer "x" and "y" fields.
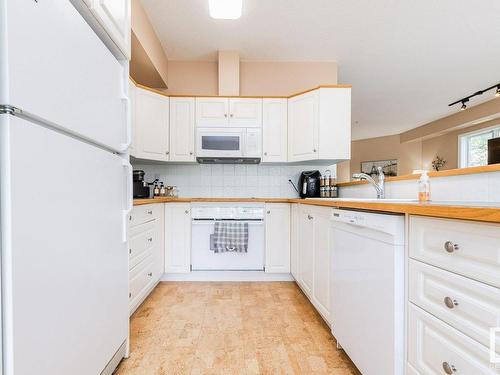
{"x": 231, "y": 328}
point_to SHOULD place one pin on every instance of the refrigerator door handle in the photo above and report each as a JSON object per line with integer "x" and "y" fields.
{"x": 128, "y": 198}
{"x": 124, "y": 146}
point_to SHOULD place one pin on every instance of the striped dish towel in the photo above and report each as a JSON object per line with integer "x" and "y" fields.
{"x": 230, "y": 236}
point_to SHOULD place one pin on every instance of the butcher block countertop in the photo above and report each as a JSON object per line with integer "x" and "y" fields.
{"x": 481, "y": 211}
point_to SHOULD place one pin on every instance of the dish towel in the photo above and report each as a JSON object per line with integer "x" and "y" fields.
{"x": 229, "y": 236}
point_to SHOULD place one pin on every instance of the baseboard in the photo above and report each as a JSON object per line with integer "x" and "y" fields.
{"x": 234, "y": 276}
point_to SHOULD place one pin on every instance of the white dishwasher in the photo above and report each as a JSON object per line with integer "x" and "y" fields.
{"x": 367, "y": 289}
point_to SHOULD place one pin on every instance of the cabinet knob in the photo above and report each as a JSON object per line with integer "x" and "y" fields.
{"x": 448, "y": 369}
{"x": 310, "y": 217}
{"x": 150, "y": 239}
{"x": 150, "y": 274}
{"x": 191, "y": 153}
{"x": 268, "y": 212}
{"x": 186, "y": 212}
{"x": 167, "y": 152}
{"x": 450, "y": 246}
{"x": 314, "y": 150}
{"x": 231, "y": 115}
{"x": 265, "y": 153}
{"x": 130, "y": 251}
{"x": 225, "y": 115}
{"x": 129, "y": 295}
{"x": 130, "y": 218}
{"x": 149, "y": 212}
{"x": 450, "y": 303}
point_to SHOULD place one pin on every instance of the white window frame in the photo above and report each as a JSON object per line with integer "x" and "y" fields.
{"x": 463, "y": 143}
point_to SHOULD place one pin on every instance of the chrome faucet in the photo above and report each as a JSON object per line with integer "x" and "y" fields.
{"x": 379, "y": 186}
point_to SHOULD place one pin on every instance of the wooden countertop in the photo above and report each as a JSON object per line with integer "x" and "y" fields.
{"x": 487, "y": 212}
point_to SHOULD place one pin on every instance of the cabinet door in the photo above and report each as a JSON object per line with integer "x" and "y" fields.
{"x": 212, "y": 112}
{"x": 245, "y": 112}
{"x": 306, "y": 248}
{"x": 182, "y": 129}
{"x": 152, "y": 125}
{"x": 294, "y": 241}
{"x": 177, "y": 238}
{"x": 321, "y": 241}
{"x": 303, "y": 127}
{"x": 114, "y": 17}
{"x": 131, "y": 94}
{"x": 274, "y": 130}
{"x": 278, "y": 237}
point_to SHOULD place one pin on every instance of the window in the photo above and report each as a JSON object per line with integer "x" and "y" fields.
{"x": 473, "y": 147}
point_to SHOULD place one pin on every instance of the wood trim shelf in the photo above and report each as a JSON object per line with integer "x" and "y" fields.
{"x": 445, "y": 173}
{"x": 156, "y": 91}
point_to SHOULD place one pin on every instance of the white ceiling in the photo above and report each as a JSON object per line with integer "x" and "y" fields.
{"x": 406, "y": 59}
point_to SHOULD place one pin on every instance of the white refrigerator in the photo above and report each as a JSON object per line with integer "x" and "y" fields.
{"x": 65, "y": 192}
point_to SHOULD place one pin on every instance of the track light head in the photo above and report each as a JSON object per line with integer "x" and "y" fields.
{"x": 464, "y": 106}
{"x": 497, "y": 93}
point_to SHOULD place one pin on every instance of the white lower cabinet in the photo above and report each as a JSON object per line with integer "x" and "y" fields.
{"x": 277, "y": 222}
{"x": 146, "y": 254}
{"x": 312, "y": 255}
{"x": 454, "y": 299}
{"x": 294, "y": 240}
{"x": 434, "y": 348}
{"x": 177, "y": 237}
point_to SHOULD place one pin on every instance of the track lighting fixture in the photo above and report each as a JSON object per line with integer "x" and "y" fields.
{"x": 480, "y": 92}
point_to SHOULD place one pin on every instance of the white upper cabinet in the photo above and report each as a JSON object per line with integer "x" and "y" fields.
{"x": 278, "y": 237}
{"x": 114, "y": 17}
{"x": 274, "y": 130}
{"x": 302, "y": 130}
{"x": 245, "y": 112}
{"x": 222, "y": 112}
{"x": 182, "y": 129}
{"x": 212, "y": 112}
{"x": 319, "y": 125}
{"x": 152, "y": 118}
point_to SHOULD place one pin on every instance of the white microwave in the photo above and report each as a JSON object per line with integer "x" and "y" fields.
{"x": 228, "y": 143}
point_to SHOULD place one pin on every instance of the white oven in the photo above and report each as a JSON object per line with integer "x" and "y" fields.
{"x": 228, "y": 143}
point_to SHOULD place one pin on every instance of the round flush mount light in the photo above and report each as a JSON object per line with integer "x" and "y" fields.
{"x": 225, "y": 9}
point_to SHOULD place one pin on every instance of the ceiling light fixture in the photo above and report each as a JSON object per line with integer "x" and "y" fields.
{"x": 225, "y": 9}
{"x": 480, "y": 92}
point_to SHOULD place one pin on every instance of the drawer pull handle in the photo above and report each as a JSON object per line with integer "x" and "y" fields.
{"x": 150, "y": 274}
{"x": 130, "y": 251}
{"x": 448, "y": 369}
{"x": 450, "y": 246}
{"x": 149, "y": 212}
{"x": 150, "y": 239}
{"x": 450, "y": 303}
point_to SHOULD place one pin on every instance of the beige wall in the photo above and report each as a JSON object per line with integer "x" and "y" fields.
{"x": 256, "y": 77}
{"x": 148, "y": 57}
{"x": 412, "y": 155}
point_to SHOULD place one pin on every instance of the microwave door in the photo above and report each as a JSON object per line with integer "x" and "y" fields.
{"x": 213, "y": 143}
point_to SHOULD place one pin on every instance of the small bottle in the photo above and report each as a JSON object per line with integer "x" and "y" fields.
{"x": 162, "y": 190}
{"x": 424, "y": 188}
{"x": 156, "y": 191}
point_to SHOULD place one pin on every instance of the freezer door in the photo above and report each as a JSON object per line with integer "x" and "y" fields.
{"x": 64, "y": 261}
{"x": 55, "y": 67}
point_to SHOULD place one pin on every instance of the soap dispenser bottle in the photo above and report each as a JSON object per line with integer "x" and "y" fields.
{"x": 424, "y": 188}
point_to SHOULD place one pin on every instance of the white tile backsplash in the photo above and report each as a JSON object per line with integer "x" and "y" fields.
{"x": 479, "y": 187}
{"x": 238, "y": 181}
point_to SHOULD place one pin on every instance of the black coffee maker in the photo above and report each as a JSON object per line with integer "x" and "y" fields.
{"x": 141, "y": 187}
{"x": 309, "y": 184}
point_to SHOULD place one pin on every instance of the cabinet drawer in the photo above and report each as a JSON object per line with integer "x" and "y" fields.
{"x": 467, "y": 248}
{"x": 144, "y": 213}
{"x": 142, "y": 239}
{"x": 470, "y": 306}
{"x": 436, "y": 348}
{"x": 140, "y": 278}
